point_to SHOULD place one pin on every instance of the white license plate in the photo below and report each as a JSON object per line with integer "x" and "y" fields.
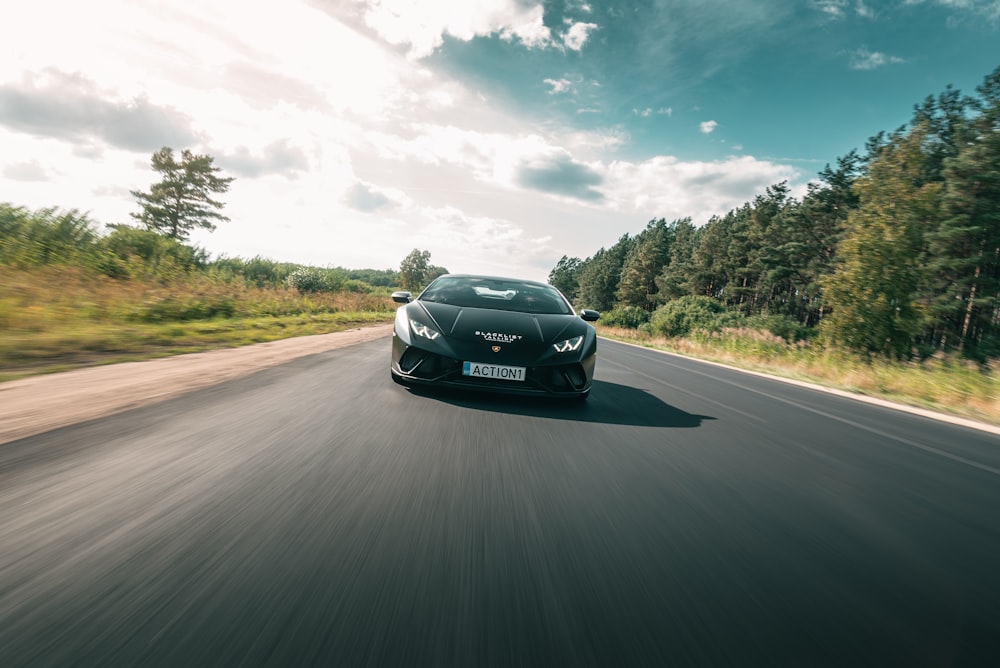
{"x": 497, "y": 371}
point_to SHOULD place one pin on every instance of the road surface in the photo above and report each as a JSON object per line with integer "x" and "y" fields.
{"x": 315, "y": 513}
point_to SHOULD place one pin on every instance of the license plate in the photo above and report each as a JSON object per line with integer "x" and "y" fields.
{"x": 496, "y": 371}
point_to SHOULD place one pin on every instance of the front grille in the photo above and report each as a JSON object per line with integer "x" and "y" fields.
{"x": 562, "y": 378}
{"x": 422, "y": 364}
{"x": 430, "y": 366}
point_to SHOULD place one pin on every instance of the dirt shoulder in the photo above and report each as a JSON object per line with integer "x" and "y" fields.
{"x": 34, "y": 405}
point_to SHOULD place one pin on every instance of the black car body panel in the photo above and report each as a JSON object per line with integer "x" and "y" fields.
{"x": 509, "y": 323}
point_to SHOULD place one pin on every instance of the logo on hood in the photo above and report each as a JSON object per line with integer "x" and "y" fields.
{"x": 499, "y": 337}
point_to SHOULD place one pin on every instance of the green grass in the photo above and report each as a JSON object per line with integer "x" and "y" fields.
{"x": 56, "y": 319}
{"x": 942, "y": 383}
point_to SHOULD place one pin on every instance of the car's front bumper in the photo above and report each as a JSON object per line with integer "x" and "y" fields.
{"x": 412, "y": 365}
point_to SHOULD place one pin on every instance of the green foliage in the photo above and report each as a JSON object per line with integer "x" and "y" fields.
{"x": 873, "y": 293}
{"x": 631, "y": 317}
{"x": 46, "y": 237}
{"x": 182, "y": 201}
{"x": 184, "y": 308}
{"x": 787, "y": 328}
{"x": 258, "y": 271}
{"x": 563, "y": 276}
{"x": 645, "y": 260}
{"x": 129, "y": 251}
{"x": 413, "y": 270}
{"x": 312, "y": 279}
{"x": 379, "y": 278}
{"x": 598, "y": 275}
{"x": 686, "y": 315}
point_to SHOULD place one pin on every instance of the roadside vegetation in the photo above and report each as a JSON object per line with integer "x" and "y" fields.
{"x": 72, "y": 295}
{"x": 942, "y": 382}
{"x": 884, "y": 278}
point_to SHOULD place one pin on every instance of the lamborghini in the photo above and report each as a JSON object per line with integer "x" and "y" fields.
{"x": 494, "y": 334}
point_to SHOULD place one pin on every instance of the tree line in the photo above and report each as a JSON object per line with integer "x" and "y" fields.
{"x": 169, "y": 211}
{"x": 893, "y": 251}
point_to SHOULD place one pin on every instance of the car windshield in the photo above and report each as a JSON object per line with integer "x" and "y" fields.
{"x": 499, "y": 294}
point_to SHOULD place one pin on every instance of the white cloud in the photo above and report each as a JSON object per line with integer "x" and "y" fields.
{"x": 470, "y": 243}
{"x": 558, "y": 85}
{"x": 423, "y": 25}
{"x": 668, "y": 187}
{"x": 708, "y": 127}
{"x": 836, "y": 9}
{"x": 577, "y": 35}
{"x": 988, "y": 9}
{"x": 649, "y": 111}
{"x": 863, "y": 59}
{"x": 30, "y": 170}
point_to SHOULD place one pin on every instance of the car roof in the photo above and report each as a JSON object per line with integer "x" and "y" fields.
{"x": 495, "y": 278}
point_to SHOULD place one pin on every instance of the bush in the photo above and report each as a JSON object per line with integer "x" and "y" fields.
{"x": 179, "y": 308}
{"x": 312, "y": 279}
{"x": 259, "y": 272}
{"x": 789, "y": 329}
{"x": 45, "y": 237}
{"x": 146, "y": 253}
{"x": 631, "y": 317}
{"x": 354, "y": 285}
{"x": 683, "y": 316}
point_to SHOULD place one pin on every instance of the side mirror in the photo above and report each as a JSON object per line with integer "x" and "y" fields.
{"x": 589, "y": 315}
{"x": 401, "y": 297}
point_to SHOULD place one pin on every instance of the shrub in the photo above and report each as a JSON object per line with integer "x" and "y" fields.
{"x": 45, "y": 237}
{"x": 312, "y": 279}
{"x": 683, "y": 316}
{"x": 631, "y": 317}
{"x": 147, "y": 253}
{"x": 354, "y": 285}
{"x": 789, "y": 329}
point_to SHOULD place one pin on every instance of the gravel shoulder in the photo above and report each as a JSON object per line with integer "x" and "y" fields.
{"x": 30, "y": 406}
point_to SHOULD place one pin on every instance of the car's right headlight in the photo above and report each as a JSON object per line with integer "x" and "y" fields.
{"x": 423, "y": 330}
{"x": 569, "y": 345}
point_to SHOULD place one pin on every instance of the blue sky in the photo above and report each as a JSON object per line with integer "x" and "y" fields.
{"x": 497, "y": 134}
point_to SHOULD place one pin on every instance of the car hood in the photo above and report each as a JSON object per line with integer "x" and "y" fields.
{"x": 478, "y": 324}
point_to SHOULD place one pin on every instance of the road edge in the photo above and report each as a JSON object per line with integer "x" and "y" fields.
{"x": 37, "y": 404}
{"x": 884, "y": 403}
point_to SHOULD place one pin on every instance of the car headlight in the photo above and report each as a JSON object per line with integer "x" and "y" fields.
{"x": 568, "y": 345}
{"x": 423, "y": 330}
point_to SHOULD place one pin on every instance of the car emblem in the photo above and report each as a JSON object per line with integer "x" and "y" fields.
{"x": 496, "y": 349}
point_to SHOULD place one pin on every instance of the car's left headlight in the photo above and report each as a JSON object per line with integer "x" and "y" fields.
{"x": 569, "y": 345}
{"x": 423, "y": 330}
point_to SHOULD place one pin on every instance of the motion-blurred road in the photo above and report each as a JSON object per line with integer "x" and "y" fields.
{"x": 317, "y": 514}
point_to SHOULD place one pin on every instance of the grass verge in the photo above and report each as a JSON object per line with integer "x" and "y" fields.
{"x": 941, "y": 383}
{"x": 57, "y": 319}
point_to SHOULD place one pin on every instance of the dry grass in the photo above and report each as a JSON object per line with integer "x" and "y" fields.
{"x": 52, "y": 319}
{"x": 942, "y": 383}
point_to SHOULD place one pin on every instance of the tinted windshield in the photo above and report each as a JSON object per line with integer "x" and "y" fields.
{"x": 503, "y": 295}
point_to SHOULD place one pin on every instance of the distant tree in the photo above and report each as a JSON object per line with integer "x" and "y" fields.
{"x": 433, "y": 271}
{"x": 965, "y": 247}
{"x": 650, "y": 252}
{"x": 413, "y": 269}
{"x": 182, "y": 201}
{"x": 599, "y": 275}
{"x": 563, "y": 276}
{"x": 874, "y": 291}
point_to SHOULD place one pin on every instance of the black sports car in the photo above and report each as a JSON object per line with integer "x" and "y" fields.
{"x": 496, "y": 334}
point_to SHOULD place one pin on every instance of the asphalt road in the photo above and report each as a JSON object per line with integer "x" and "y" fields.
{"x": 317, "y": 514}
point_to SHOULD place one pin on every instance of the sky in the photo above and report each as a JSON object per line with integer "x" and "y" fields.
{"x": 499, "y": 135}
